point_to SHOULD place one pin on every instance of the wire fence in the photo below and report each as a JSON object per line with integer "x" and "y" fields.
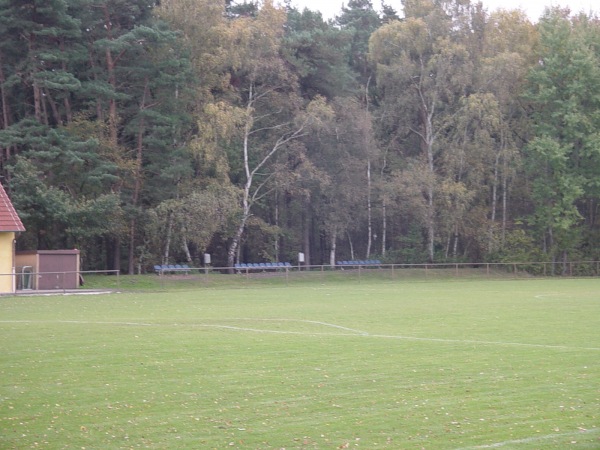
{"x": 548, "y": 268}
{"x": 260, "y": 274}
{"x": 24, "y": 282}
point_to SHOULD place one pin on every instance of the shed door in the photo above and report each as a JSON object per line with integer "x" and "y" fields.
{"x": 63, "y": 271}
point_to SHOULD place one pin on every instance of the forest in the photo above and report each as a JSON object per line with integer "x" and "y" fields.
{"x": 149, "y": 132}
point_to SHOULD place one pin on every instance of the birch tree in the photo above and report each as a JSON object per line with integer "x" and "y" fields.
{"x": 273, "y": 114}
{"x": 508, "y": 53}
{"x": 424, "y": 74}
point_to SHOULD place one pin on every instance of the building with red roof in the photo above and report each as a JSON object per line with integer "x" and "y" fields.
{"x": 10, "y": 225}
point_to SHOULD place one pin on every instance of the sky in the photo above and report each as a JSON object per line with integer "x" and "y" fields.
{"x": 533, "y": 8}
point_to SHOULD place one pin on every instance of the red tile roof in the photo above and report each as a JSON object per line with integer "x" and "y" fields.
{"x": 9, "y": 219}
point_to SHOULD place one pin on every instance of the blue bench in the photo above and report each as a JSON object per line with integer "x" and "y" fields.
{"x": 171, "y": 268}
{"x": 359, "y": 263}
{"x": 262, "y": 266}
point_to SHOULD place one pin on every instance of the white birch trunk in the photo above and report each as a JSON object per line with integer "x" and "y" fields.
{"x": 333, "y": 249}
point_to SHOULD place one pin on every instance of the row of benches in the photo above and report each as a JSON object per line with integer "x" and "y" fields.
{"x": 268, "y": 265}
{"x": 368, "y": 262}
{"x": 179, "y": 268}
{"x": 171, "y": 268}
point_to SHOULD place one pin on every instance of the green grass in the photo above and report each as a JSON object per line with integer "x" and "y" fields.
{"x": 215, "y": 279}
{"x": 316, "y": 364}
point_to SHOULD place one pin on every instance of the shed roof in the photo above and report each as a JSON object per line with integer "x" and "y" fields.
{"x": 9, "y": 219}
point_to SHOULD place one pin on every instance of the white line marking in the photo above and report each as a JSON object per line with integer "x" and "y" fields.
{"x": 82, "y": 322}
{"x": 352, "y": 332}
{"x": 315, "y": 322}
{"x": 532, "y": 439}
{"x": 543, "y": 296}
{"x": 472, "y": 341}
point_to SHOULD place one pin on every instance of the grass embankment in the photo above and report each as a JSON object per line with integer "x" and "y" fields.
{"x": 198, "y": 279}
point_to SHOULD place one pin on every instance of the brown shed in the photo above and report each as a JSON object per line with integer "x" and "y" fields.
{"x": 51, "y": 269}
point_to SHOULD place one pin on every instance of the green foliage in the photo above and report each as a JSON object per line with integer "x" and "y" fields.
{"x": 360, "y": 20}
{"x": 140, "y": 130}
{"x": 320, "y": 54}
{"x": 519, "y": 246}
{"x": 57, "y": 219}
{"x": 409, "y": 248}
{"x": 193, "y": 219}
{"x": 562, "y": 159}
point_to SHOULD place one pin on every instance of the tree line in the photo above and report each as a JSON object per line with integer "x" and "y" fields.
{"x": 145, "y": 132}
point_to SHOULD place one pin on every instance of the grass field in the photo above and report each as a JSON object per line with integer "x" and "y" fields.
{"x": 322, "y": 364}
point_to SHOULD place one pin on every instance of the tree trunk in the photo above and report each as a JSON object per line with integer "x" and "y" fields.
{"x": 67, "y": 102}
{"x": 383, "y": 226}
{"x": 333, "y": 248}
{"x": 276, "y": 243}
{"x": 235, "y": 243}
{"x": 491, "y": 237}
{"x": 37, "y": 102}
{"x": 3, "y": 97}
{"x": 112, "y": 80}
{"x": 383, "y": 208}
{"x": 428, "y": 139}
{"x": 455, "y": 246}
{"x": 367, "y": 129}
{"x": 137, "y": 187}
{"x": 54, "y": 107}
{"x": 306, "y": 236}
{"x": 504, "y": 200}
{"x": 430, "y": 226}
{"x": 232, "y": 253}
{"x": 99, "y": 110}
{"x": 6, "y": 153}
{"x": 167, "y": 249}
{"x": 116, "y": 253}
{"x": 369, "y": 212}
{"x": 186, "y": 249}
{"x": 131, "y": 250}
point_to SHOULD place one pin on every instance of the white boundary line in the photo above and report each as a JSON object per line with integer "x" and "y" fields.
{"x": 529, "y": 440}
{"x": 315, "y": 322}
{"x": 499, "y": 343}
{"x": 351, "y": 332}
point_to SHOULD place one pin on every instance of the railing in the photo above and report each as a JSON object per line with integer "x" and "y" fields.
{"x": 59, "y": 281}
{"x": 543, "y": 268}
{"x": 62, "y": 281}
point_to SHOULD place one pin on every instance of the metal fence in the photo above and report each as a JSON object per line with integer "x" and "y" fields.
{"x": 398, "y": 270}
{"x": 25, "y": 280}
{"x": 28, "y": 281}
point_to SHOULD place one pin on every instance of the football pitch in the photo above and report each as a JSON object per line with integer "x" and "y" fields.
{"x": 436, "y": 364}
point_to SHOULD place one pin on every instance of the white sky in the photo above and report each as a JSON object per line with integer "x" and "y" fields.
{"x": 533, "y": 8}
